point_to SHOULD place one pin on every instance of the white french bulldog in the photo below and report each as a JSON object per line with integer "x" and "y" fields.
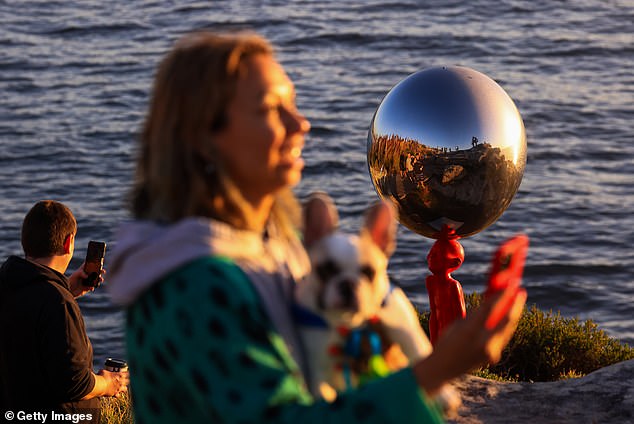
{"x": 349, "y": 287}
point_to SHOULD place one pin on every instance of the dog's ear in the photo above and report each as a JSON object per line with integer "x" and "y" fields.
{"x": 380, "y": 224}
{"x": 320, "y": 217}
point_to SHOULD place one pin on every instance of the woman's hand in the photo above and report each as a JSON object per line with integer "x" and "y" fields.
{"x": 467, "y": 343}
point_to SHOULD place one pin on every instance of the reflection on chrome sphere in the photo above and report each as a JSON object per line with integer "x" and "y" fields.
{"x": 447, "y": 146}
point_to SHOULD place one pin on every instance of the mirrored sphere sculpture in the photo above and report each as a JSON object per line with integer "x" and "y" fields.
{"x": 447, "y": 145}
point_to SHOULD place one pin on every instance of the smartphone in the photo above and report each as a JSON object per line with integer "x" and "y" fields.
{"x": 94, "y": 262}
{"x": 507, "y": 267}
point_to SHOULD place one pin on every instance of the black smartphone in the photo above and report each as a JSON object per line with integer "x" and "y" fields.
{"x": 94, "y": 262}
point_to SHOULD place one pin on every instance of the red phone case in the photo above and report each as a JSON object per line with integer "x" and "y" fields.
{"x": 506, "y": 270}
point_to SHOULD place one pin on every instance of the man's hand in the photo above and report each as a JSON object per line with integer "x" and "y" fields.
{"x": 117, "y": 382}
{"x": 77, "y": 278}
{"x": 109, "y": 384}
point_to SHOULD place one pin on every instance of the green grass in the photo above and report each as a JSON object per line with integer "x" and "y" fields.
{"x": 116, "y": 410}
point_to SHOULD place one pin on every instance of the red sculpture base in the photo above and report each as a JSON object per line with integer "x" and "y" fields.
{"x": 446, "y": 299}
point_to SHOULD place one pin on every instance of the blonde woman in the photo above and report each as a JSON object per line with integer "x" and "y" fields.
{"x": 208, "y": 267}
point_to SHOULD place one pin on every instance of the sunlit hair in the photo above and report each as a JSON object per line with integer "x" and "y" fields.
{"x": 45, "y": 228}
{"x": 193, "y": 87}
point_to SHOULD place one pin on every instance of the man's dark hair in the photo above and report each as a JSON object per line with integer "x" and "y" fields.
{"x": 45, "y": 228}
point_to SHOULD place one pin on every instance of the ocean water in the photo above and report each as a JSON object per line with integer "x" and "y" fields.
{"x": 75, "y": 78}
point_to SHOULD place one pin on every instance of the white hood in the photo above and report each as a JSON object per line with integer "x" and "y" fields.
{"x": 146, "y": 251}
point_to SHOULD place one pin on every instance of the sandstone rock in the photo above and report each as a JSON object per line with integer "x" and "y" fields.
{"x": 604, "y": 396}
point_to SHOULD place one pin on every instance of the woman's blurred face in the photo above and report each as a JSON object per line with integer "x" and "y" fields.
{"x": 261, "y": 144}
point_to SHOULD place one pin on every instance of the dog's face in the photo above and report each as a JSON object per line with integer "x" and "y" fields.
{"x": 348, "y": 281}
{"x": 350, "y": 274}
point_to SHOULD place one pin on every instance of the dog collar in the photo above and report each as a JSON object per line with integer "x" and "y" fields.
{"x": 306, "y": 317}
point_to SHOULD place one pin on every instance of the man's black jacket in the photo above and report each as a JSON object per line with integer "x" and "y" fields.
{"x": 45, "y": 354}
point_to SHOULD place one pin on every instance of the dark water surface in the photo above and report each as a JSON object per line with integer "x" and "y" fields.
{"x": 75, "y": 77}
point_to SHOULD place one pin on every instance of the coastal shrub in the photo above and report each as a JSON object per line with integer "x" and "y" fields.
{"x": 549, "y": 347}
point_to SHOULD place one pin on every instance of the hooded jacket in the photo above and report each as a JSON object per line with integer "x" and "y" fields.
{"x": 147, "y": 252}
{"x": 211, "y": 337}
{"x": 45, "y": 354}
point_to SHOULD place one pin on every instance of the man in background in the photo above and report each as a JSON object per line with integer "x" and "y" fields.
{"x": 45, "y": 354}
